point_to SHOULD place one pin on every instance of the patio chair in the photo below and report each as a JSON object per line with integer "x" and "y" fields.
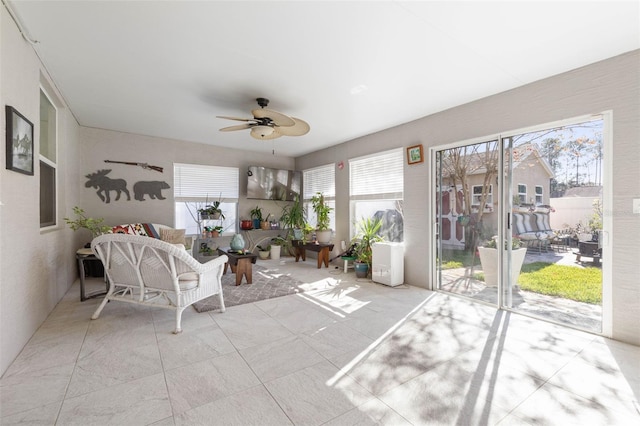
{"x": 148, "y": 271}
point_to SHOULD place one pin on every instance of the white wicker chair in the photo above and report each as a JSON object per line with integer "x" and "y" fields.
{"x": 149, "y": 271}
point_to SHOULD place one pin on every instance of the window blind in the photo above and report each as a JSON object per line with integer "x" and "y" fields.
{"x": 194, "y": 182}
{"x": 319, "y": 179}
{"x": 378, "y": 176}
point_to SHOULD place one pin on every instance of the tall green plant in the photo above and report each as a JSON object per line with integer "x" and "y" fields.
{"x": 366, "y": 234}
{"x": 322, "y": 210}
{"x": 294, "y": 215}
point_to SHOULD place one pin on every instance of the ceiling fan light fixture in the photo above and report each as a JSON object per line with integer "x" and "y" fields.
{"x": 261, "y": 131}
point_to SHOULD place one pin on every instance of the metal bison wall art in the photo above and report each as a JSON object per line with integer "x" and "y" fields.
{"x": 104, "y": 185}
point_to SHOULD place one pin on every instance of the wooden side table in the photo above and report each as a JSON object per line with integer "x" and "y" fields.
{"x": 83, "y": 255}
{"x": 240, "y": 264}
{"x": 323, "y": 251}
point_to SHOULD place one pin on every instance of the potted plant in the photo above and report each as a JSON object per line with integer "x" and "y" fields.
{"x": 323, "y": 223}
{"x": 264, "y": 224}
{"x": 263, "y": 251}
{"x": 295, "y": 218}
{"x": 95, "y": 226}
{"x": 205, "y": 250}
{"x": 213, "y": 231}
{"x": 256, "y": 216}
{"x": 276, "y": 247}
{"x": 366, "y": 234}
{"x": 489, "y": 260}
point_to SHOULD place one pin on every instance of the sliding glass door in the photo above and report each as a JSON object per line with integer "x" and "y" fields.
{"x": 518, "y": 222}
{"x": 466, "y": 214}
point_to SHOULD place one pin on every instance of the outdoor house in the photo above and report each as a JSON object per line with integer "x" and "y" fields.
{"x": 530, "y": 186}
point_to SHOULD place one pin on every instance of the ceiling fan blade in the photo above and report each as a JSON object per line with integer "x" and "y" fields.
{"x": 274, "y": 135}
{"x": 235, "y": 118}
{"x": 238, "y": 127}
{"x": 300, "y": 128}
{"x": 278, "y": 118}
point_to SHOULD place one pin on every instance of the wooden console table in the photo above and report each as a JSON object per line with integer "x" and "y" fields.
{"x": 240, "y": 264}
{"x": 323, "y": 251}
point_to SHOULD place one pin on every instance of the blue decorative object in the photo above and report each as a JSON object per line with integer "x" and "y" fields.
{"x": 237, "y": 242}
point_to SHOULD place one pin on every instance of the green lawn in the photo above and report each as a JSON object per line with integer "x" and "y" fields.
{"x": 452, "y": 259}
{"x": 570, "y": 282}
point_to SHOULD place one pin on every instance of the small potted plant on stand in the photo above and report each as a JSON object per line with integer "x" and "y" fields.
{"x": 322, "y": 210}
{"x": 367, "y": 234}
{"x": 95, "y": 226}
{"x": 294, "y": 217}
{"x": 256, "y": 217}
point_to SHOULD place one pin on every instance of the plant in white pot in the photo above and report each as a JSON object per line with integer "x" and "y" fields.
{"x": 276, "y": 247}
{"x": 323, "y": 222}
{"x": 263, "y": 251}
{"x": 489, "y": 260}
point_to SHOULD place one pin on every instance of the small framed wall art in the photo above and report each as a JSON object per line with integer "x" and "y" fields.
{"x": 19, "y": 142}
{"x": 414, "y": 154}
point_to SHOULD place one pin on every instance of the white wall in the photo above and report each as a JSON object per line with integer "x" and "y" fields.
{"x": 36, "y": 268}
{"x": 99, "y": 145}
{"x": 569, "y": 211}
{"x": 608, "y": 85}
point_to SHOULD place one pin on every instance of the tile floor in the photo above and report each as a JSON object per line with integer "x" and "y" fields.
{"x": 345, "y": 352}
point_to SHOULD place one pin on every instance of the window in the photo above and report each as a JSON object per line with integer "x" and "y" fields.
{"x": 522, "y": 193}
{"x": 476, "y": 195}
{"x": 48, "y": 162}
{"x": 376, "y": 189}
{"x": 539, "y": 195}
{"x": 319, "y": 179}
{"x": 195, "y": 186}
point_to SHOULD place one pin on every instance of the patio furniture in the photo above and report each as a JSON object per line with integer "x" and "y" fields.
{"x": 148, "y": 271}
{"x": 590, "y": 249}
{"x": 534, "y": 229}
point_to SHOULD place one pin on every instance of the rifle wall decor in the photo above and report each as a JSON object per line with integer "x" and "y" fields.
{"x": 143, "y": 165}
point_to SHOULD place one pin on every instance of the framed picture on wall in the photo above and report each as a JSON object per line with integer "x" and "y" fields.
{"x": 19, "y": 142}
{"x": 414, "y": 154}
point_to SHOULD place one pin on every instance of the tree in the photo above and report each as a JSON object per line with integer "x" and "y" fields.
{"x": 460, "y": 163}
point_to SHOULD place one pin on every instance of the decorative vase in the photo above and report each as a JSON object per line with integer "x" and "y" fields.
{"x": 264, "y": 225}
{"x": 237, "y": 243}
{"x": 256, "y": 223}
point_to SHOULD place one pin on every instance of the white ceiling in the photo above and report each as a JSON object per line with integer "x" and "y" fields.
{"x": 168, "y": 68}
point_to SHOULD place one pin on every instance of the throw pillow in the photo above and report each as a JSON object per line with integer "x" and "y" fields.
{"x": 173, "y": 236}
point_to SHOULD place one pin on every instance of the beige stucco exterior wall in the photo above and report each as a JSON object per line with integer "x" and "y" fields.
{"x": 613, "y": 84}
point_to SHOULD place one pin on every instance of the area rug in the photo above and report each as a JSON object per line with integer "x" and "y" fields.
{"x": 267, "y": 284}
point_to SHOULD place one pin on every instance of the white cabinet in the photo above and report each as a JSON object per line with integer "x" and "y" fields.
{"x": 388, "y": 263}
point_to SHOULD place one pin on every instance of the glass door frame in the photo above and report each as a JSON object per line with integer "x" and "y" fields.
{"x": 505, "y": 204}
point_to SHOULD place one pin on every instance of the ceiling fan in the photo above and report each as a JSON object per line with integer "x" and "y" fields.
{"x": 268, "y": 124}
